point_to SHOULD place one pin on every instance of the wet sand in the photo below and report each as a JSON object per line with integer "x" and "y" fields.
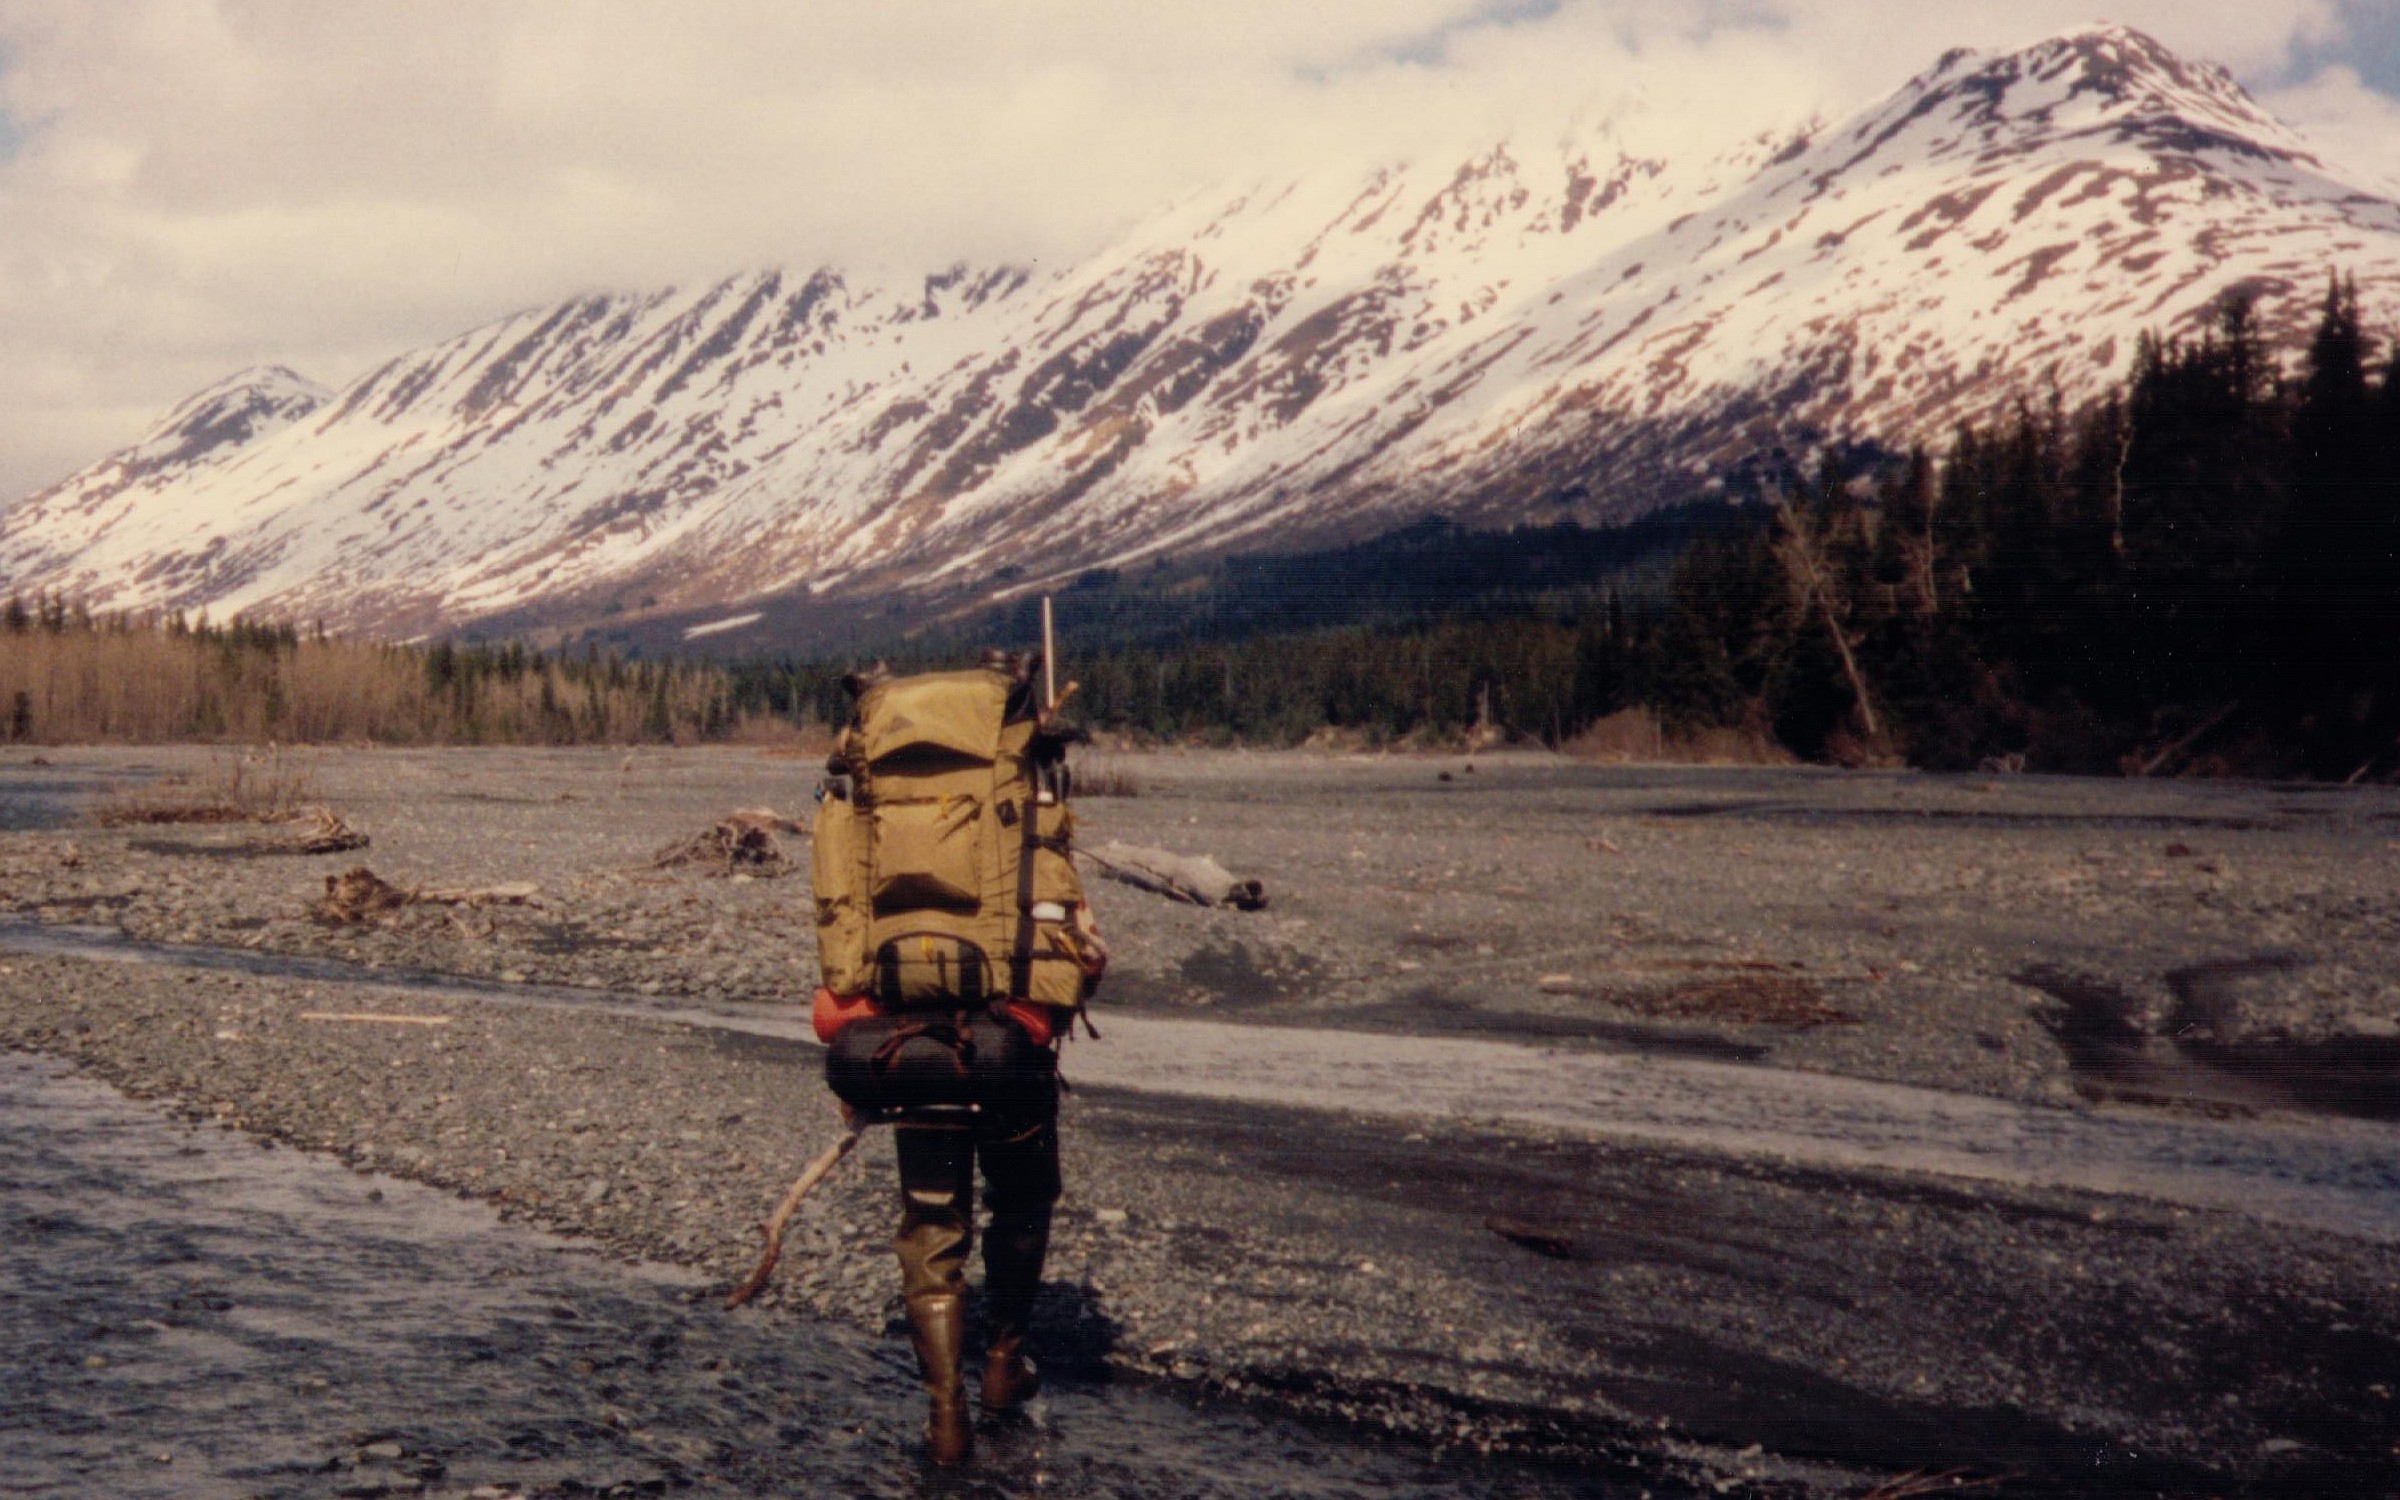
{"x": 1711, "y": 1301}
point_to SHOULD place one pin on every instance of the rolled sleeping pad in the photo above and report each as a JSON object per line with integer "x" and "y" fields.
{"x": 882, "y": 1064}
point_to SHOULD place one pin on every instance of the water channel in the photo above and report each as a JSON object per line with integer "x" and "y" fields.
{"x": 2321, "y": 1172}
{"x": 186, "y": 1314}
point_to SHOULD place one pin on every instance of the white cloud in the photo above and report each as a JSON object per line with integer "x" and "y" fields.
{"x": 2352, "y": 127}
{"x": 201, "y": 184}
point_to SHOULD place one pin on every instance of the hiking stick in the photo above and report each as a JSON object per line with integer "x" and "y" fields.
{"x": 1049, "y": 661}
{"x": 781, "y": 1219}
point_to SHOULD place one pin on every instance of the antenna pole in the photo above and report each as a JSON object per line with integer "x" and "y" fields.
{"x": 1049, "y": 659}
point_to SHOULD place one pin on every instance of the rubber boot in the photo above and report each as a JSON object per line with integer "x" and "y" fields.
{"x": 1010, "y": 1379}
{"x": 1013, "y": 1250}
{"x": 937, "y": 1324}
{"x": 936, "y": 1178}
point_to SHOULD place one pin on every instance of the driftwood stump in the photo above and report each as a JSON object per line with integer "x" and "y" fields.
{"x": 359, "y": 893}
{"x": 743, "y": 840}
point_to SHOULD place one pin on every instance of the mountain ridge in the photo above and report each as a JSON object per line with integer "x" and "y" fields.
{"x": 1527, "y": 334}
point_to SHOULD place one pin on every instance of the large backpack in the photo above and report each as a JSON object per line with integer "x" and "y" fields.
{"x": 943, "y": 880}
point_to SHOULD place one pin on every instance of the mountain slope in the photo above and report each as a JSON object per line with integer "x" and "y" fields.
{"x": 1575, "y": 331}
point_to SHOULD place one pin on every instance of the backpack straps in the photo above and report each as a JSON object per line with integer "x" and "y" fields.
{"x": 1020, "y": 963}
{"x": 952, "y": 1034}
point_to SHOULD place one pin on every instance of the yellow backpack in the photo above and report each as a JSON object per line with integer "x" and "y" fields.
{"x": 941, "y": 847}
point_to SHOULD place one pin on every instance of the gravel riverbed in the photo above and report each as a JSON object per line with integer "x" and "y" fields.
{"x": 1666, "y": 1318}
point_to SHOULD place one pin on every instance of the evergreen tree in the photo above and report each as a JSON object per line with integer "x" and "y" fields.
{"x": 2203, "y": 493}
{"x": 2330, "y": 637}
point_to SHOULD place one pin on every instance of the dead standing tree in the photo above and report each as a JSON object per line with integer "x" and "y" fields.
{"x": 1801, "y": 553}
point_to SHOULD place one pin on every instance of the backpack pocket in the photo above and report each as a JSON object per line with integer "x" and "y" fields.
{"x": 929, "y": 854}
{"x": 920, "y": 970}
{"x": 837, "y": 870}
{"x": 1059, "y": 973}
{"x": 1054, "y": 876}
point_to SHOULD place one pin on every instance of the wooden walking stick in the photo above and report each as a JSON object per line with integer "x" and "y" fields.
{"x": 1049, "y": 660}
{"x": 781, "y": 1219}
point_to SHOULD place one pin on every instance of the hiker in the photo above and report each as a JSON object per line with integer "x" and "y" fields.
{"x": 956, "y": 948}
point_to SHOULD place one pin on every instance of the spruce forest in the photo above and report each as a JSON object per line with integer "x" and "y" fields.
{"x": 2198, "y": 574}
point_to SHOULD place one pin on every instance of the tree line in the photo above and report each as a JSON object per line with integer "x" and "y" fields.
{"x": 68, "y": 675}
{"x": 2197, "y": 572}
{"x": 2202, "y": 568}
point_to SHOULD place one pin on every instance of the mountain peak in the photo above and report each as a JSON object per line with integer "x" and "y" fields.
{"x": 2105, "y": 81}
{"x": 2120, "y": 64}
{"x": 273, "y": 382}
{"x": 240, "y": 408}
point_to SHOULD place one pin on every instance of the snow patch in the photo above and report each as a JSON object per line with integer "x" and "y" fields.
{"x": 719, "y": 627}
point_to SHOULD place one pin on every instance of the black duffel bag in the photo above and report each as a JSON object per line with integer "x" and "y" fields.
{"x": 879, "y": 1064}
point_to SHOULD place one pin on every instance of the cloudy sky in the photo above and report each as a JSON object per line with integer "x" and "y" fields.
{"x": 191, "y": 186}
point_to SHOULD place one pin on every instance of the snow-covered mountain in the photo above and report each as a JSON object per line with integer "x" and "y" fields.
{"x": 1570, "y": 331}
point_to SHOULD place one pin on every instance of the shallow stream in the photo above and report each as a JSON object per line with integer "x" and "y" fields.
{"x": 184, "y": 1313}
{"x": 2332, "y": 1173}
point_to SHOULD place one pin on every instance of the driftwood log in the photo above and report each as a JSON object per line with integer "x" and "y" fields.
{"x": 1182, "y": 877}
{"x": 314, "y": 830}
{"x": 359, "y": 893}
{"x": 506, "y": 893}
{"x": 767, "y": 818}
{"x": 1534, "y": 1237}
{"x": 2187, "y": 743}
{"x": 777, "y": 1222}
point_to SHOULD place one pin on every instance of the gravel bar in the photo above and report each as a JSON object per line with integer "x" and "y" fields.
{"x": 1671, "y": 1317}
